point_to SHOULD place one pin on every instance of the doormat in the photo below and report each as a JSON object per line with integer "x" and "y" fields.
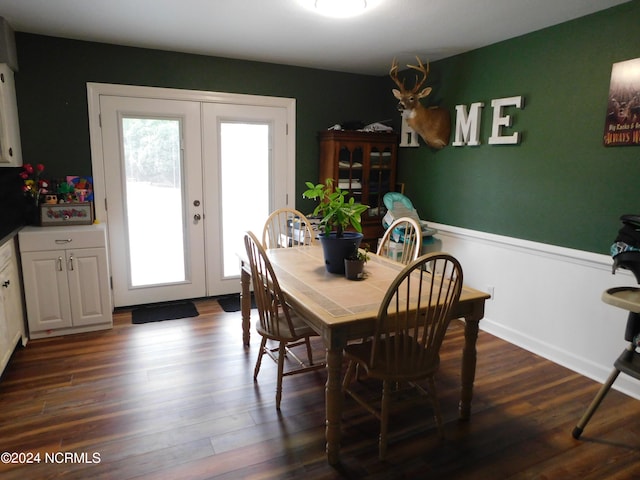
{"x": 231, "y": 303}
{"x": 168, "y": 311}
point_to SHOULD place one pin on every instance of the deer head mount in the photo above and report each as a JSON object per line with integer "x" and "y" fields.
{"x": 433, "y": 124}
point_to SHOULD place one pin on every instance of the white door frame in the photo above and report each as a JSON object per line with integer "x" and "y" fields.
{"x": 95, "y": 90}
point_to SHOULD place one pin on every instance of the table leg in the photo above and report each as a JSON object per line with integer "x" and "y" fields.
{"x": 245, "y": 305}
{"x": 333, "y": 404}
{"x": 468, "y": 367}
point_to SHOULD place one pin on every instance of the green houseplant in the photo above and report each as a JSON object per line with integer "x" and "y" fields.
{"x": 337, "y": 214}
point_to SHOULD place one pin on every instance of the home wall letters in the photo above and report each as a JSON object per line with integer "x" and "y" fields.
{"x": 467, "y": 129}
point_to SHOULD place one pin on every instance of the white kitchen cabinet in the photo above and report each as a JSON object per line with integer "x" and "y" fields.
{"x": 10, "y": 147}
{"x": 66, "y": 279}
{"x": 11, "y": 312}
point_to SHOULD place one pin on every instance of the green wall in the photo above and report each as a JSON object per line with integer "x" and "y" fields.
{"x": 560, "y": 185}
{"x": 52, "y": 95}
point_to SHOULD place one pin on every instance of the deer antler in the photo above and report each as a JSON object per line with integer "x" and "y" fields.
{"x": 422, "y": 69}
{"x": 393, "y": 73}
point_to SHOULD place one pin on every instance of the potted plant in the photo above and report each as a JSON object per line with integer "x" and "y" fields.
{"x": 337, "y": 214}
{"x": 354, "y": 264}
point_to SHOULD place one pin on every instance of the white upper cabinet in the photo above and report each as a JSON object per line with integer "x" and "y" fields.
{"x": 10, "y": 149}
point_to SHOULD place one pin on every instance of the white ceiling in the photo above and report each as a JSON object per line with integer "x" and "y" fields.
{"x": 285, "y": 32}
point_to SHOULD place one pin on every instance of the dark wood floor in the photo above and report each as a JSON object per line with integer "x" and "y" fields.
{"x": 176, "y": 400}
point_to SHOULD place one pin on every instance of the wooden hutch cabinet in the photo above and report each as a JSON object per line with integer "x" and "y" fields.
{"x": 364, "y": 164}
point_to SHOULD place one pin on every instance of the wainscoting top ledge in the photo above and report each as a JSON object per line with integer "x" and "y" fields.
{"x": 528, "y": 246}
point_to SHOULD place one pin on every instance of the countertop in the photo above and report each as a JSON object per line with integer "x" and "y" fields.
{"x": 8, "y": 236}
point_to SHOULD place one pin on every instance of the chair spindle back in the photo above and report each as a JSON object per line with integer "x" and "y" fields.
{"x": 414, "y": 314}
{"x": 285, "y": 228}
{"x": 408, "y": 249}
{"x": 274, "y": 316}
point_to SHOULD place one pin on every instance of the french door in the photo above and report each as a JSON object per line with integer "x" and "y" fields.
{"x": 183, "y": 179}
{"x": 154, "y": 198}
{"x": 246, "y": 180}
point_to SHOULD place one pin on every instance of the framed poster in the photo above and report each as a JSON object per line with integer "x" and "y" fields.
{"x": 622, "y": 125}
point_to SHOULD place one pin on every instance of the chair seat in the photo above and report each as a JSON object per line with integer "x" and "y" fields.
{"x": 300, "y": 329}
{"x": 404, "y": 370}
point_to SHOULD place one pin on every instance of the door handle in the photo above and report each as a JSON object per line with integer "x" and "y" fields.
{"x": 197, "y": 217}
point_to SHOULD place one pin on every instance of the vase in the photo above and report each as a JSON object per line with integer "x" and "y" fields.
{"x": 31, "y": 214}
{"x": 336, "y": 249}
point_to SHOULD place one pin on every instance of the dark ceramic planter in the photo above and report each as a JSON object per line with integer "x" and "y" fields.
{"x": 336, "y": 249}
{"x": 354, "y": 269}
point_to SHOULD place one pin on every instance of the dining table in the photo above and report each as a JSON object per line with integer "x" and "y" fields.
{"x": 340, "y": 310}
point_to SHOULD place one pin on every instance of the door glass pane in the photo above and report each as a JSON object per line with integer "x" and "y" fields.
{"x": 245, "y": 178}
{"x": 155, "y": 220}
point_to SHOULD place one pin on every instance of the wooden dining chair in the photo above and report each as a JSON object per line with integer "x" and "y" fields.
{"x": 286, "y": 227}
{"x": 411, "y": 324}
{"x": 277, "y": 321}
{"x": 402, "y": 241}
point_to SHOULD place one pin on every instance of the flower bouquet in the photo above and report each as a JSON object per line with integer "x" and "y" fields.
{"x": 33, "y": 186}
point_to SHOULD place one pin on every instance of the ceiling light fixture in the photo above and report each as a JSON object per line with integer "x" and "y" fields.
{"x": 340, "y": 8}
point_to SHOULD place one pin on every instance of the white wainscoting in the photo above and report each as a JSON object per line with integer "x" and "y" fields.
{"x": 547, "y": 299}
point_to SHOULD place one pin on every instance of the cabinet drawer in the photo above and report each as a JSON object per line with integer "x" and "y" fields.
{"x": 55, "y": 238}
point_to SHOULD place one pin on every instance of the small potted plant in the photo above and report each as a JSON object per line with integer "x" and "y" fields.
{"x": 354, "y": 263}
{"x": 337, "y": 214}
